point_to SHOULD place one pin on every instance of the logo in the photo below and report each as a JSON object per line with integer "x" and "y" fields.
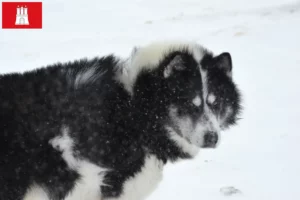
{"x": 21, "y": 15}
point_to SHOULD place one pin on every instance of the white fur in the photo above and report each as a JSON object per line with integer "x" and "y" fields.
{"x": 175, "y": 64}
{"x": 64, "y": 143}
{"x": 87, "y": 75}
{"x": 143, "y": 183}
{"x": 191, "y": 137}
{"x": 88, "y": 186}
{"x": 182, "y": 143}
{"x": 148, "y": 58}
{"x": 204, "y": 82}
{"x": 211, "y": 98}
{"x": 209, "y": 118}
{"x": 36, "y": 192}
{"x": 167, "y": 71}
{"x": 197, "y": 101}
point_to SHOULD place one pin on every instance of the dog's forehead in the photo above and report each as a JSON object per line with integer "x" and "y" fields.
{"x": 150, "y": 57}
{"x": 196, "y": 83}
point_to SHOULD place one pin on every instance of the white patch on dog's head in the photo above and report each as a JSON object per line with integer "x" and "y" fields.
{"x": 197, "y": 101}
{"x": 149, "y": 57}
{"x": 208, "y": 120}
{"x": 211, "y": 99}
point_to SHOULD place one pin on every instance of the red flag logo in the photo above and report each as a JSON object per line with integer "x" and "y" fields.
{"x": 21, "y": 15}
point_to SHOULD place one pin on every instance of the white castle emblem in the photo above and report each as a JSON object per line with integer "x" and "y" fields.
{"x": 22, "y": 16}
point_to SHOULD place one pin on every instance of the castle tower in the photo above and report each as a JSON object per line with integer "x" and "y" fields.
{"x": 22, "y": 16}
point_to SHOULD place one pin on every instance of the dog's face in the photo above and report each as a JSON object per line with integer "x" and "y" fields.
{"x": 203, "y": 100}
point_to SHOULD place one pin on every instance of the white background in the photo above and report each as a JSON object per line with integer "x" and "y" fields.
{"x": 260, "y": 156}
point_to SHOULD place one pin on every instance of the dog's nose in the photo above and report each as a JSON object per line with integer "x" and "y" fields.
{"x": 210, "y": 140}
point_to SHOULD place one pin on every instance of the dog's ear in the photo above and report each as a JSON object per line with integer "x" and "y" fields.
{"x": 176, "y": 64}
{"x": 224, "y": 62}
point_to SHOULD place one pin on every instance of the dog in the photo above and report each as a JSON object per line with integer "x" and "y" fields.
{"x": 103, "y": 128}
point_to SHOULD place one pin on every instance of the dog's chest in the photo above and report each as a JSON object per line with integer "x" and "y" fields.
{"x": 143, "y": 183}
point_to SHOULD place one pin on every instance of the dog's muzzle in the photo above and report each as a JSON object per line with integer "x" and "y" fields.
{"x": 210, "y": 140}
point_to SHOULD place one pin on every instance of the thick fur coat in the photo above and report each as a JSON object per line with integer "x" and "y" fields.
{"x": 103, "y": 128}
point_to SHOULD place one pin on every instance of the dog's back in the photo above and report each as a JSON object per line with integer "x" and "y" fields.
{"x": 33, "y": 105}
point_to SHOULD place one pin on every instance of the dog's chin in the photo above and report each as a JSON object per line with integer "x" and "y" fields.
{"x": 203, "y": 145}
{"x": 206, "y": 146}
{"x": 209, "y": 146}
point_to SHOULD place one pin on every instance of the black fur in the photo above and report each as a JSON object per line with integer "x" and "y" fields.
{"x": 110, "y": 127}
{"x": 222, "y": 85}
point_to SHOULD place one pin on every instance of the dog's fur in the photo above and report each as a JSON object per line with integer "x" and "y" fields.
{"x": 103, "y": 128}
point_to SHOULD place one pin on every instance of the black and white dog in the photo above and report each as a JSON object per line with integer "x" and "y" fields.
{"x": 103, "y": 128}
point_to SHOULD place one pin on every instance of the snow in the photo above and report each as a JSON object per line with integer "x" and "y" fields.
{"x": 256, "y": 159}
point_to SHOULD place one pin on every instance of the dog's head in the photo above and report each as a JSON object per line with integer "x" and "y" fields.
{"x": 204, "y": 98}
{"x": 194, "y": 88}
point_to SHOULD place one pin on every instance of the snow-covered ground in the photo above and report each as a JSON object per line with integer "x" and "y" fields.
{"x": 259, "y": 157}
